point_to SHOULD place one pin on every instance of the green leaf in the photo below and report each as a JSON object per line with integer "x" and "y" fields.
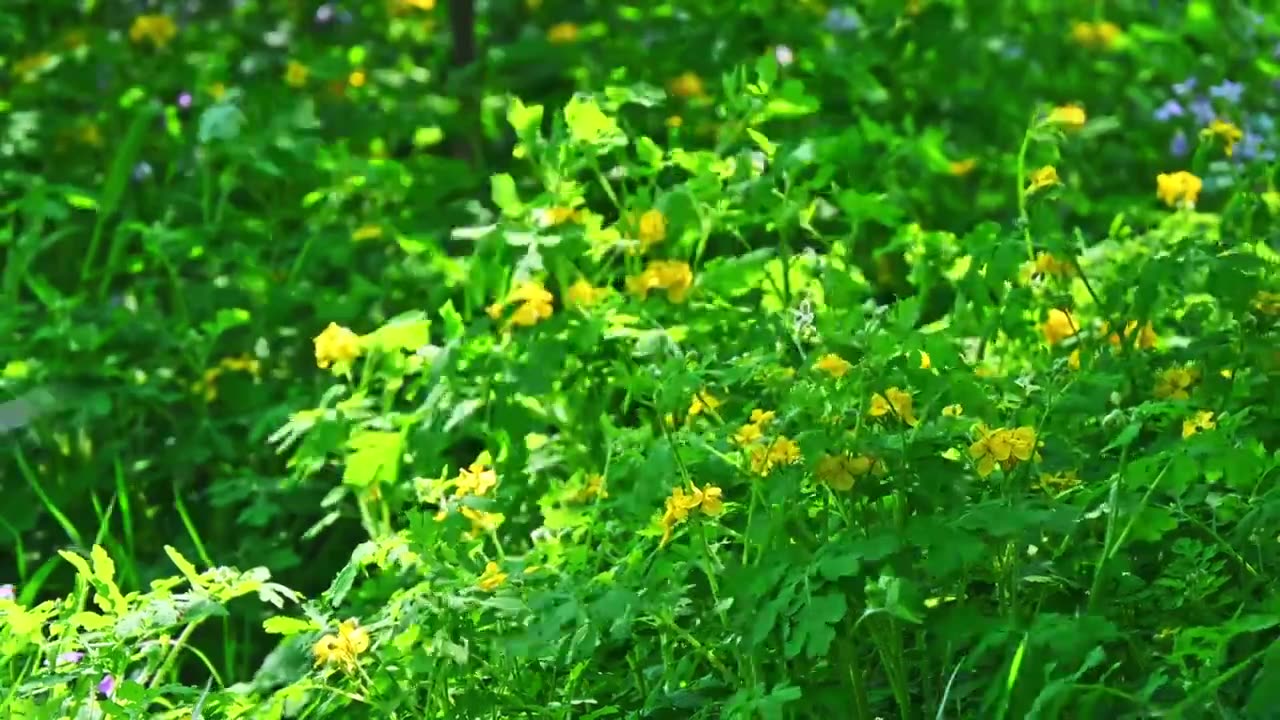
{"x": 288, "y": 626}
{"x": 91, "y": 621}
{"x": 589, "y": 125}
{"x": 524, "y": 119}
{"x": 375, "y": 457}
{"x": 505, "y": 196}
{"x": 184, "y": 566}
{"x": 406, "y": 332}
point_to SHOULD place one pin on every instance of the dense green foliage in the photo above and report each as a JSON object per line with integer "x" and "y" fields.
{"x": 685, "y": 359}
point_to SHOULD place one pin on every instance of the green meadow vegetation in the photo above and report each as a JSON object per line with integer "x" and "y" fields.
{"x": 673, "y": 359}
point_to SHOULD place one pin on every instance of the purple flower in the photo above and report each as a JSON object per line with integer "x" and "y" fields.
{"x": 1203, "y": 111}
{"x": 842, "y": 20}
{"x": 783, "y": 55}
{"x": 1227, "y": 90}
{"x": 1178, "y": 147}
{"x": 185, "y": 100}
{"x": 6, "y": 592}
{"x": 1251, "y": 148}
{"x": 107, "y": 686}
{"x": 71, "y": 656}
{"x": 1169, "y": 110}
{"x": 1185, "y": 87}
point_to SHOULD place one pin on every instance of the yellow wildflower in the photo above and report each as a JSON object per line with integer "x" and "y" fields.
{"x": 712, "y": 500}
{"x": 296, "y": 74}
{"x": 1202, "y": 420}
{"x": 344, "y": 648}
{"x": 687, "y": 85}
{"x": 1175, "y": 383}
{"x": 748, "y": 434}
{"x": 1096, "y": 36}
{"x": 1058, "y": 326}
{"x": 926, "y": 362}
{"x": 532, "y": 301}
{"x": 1227, "y": 132}
{"x": 1073, "y": 360}
{"x": 336, "y": 344}
{"x": 583, "y": 294}
{"x": 678, "y": 506}
{"x": 651, "y": 229}
{"x": 954, "y": 410}
{"x": 1002, "y": 446}
{"x": 893, "y": 400}
{"x": 1042, "y": 178}
{"x": 675, "y": 121}
{"x": 1179, "y": 188}
{"x": 492, "y": 578}
{"x": 840, "y": 472}
{"x": 593, "y": 489}
{"x": 1068, "y": 117}
{"x": 482, "y": 522}
{"x": 357, "y": 78}
{"x": 1058, "y": 481}
{"x": 562, "y": 33}
{"x": 560, "y": 215}
{"x": 159, "y": 30}
{"x": 217, "y": 91}
{"x": 960, "y": 168}
{"x": 703, "y": 400}
{"x": 833, "y": 365}
{"x": 1267, "y": 303}
{"x": 1047, "y": 264}
{"x": 367, "y": 232}
{"x": 763, "y": 458}
{"x": 1145, "y": 339}
{"x": 671, "y": 275}
{"x": 476, "y": 479}
{"x": 762, "y": 417}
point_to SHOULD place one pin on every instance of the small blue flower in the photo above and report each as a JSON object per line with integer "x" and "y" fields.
{"x": 1227, "y": 90}
{"x": 1203, "y": 111}
{"x": 1179, "y": 146}
{"x": 1251, "y": 148}
{"x": 1185, "y": 87}
{"x": 1169, "y": 110}
{"x": 842, "y": 20}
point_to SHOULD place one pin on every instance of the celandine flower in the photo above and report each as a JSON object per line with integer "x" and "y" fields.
{"x": 336, "y": 344}
{"x": 1179, "y": 188}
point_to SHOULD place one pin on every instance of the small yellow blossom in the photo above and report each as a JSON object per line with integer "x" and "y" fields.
{"x": 532, "y": 301}
{"x": 1267, "y": 302}
{"x": 687, "y": 85}
{"x": 296, "y": 74}
{"x": 926, "y": 362}
{"x": 893, "y": 400}
{"x": 703, "y": 401}
{"x": 1042, "y": 178}
{"x": 217, "y": 91}
{"x": 90, "y": 134}
{"x": 671, "y": 275}
{"x": 344, "y": 648}
{"x": 954, "y": 410}
{"x": 840, "y": 472}
{"x": 960, "y": 168}
{"x": 367, "y": 232}
{"x": 1058, "y": 481}
{"x": 1002, "y": 446}
{"x": 748, "y": 434}
{"x": 762, "y": 417}
{"x": 336, "y": 344}
{"x": 477, "y": 479}
{"x": 1048, "y": 265}
{"x": 1202, "y": 420}
{"x": 492, "y": 578}
{"x": 1068, "y": 117}
{"x": 482, "y": 522}
{"x": 675, "y": 121}
{"x": 560, "y": 215}
{"x": 833, "y": 365}
{"x": 1058, "y": 326}
{"x": 1179, "y": 188}
{"x": 562, "y": 33}
{"x": 764, "y": 457}
{"x": 593, "y": 489}
{"x": 712, "y": 500}
{"x": 709, "y": 501}
{"x": 1096, "y": 36}
{"x": 159, "y": 30}
{"x": 1175, "y": 383}
{"x": 357, "y": 78}
{"x": 583, "y": 294}
{"x": 1073, "y": 360}
{"x": 1227, "y": 132}
{"x": 651, "y": 229}
{"x": 1144, "y": 339}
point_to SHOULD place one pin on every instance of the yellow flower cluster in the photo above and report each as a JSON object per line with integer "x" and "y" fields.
{"x": 1227, "y": 132}
{"x": 1202, "y": 420}
{"x": 896, "y": 402}
{"x": 336, "y": 344}
{"x": 840, "y": 472}
{"x": 492, "y": 578}
{"x": 1051, "y": 482}
{"x": 562, "y": 33}
{"x": 673, "y": 276}
{"x": 650, "y": 228}
{"x": 833, "y": 365}
{"x": 296, "y": 74}
{"x": 1048, "y": 265}
{"x": 159, "y": 30}
{"x": 1068, "y": 117}
{"x": 1175, "y": 383}
{"x": 583, "y": 294}
{"x": 687, "y": 85}
{"x": 1143, "y": 339}
{"x": 344, "y": 648}
{"x": 703, "y": 401}
{"x": 1042, "y": 178}
{"x": 593, "y": 489}
{"x": 1096, "y": 35}
{"x": 208, "y": 384}
{"x": 708, "y": 501}
{"x": 532, "y": 301}
{"x": 763, "y": 455}
{"x": 1004, "y": 446}
{"x": 1179, "y": 188}
{"x": 1058, "y": 326}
